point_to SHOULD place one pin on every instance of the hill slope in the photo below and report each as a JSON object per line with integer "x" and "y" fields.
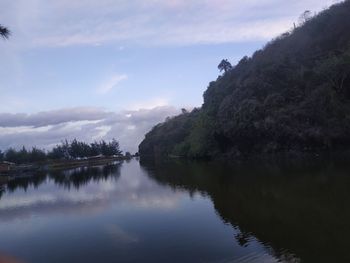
{"x": 291, "y": 96}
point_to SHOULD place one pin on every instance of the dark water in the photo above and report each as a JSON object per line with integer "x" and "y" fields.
{"x": 178, "y": 212}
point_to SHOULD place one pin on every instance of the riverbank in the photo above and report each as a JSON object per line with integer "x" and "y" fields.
{"x": 3, "y": 180}
{"x": 66, "y": 164}
{"x": 28, "y": 170}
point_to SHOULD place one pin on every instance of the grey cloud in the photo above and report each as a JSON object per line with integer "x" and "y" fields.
{"x": 46, "y": 118}
{"x": 88, "y": 124}
{"x": 132, "y": 129}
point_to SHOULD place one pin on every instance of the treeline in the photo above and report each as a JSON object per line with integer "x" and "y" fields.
{"x": 65, "y": 151}
{"x": 292, "y": 96}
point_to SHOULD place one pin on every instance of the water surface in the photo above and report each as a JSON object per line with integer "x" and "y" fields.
{"x": 178, "y": 212}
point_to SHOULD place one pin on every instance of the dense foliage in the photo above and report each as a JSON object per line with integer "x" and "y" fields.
{"x": 4, "y": 32}
{"x": 291, "y": 96}
{"x": 66, "y": 150}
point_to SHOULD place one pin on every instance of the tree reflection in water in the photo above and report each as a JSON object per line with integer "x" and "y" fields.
{"x": 299, "y": 212}
{"x": 68, "y": 178}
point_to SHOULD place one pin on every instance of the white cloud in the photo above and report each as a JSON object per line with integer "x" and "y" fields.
{"x": 111, "y": 83}
{"x": 46, "y": 129}
{"x": 152, "y": 22}
{"x": 46, "y": 118}
{"x": 150, "y": 104}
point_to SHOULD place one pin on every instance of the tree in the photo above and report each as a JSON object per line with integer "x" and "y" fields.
{"x": 4, "y": 32}
{"x": 304, "y": 17}
{"x": 225, "y": 65}
{"x": 104, "y": 148}
{"x": 11, "y": 155}
{"x": 95, "y": 149}
{"x": 57, "y": 152}
{"x": 37, "y": 155}
{"x": 336, "y": 70}
{"x": 114, "y": 148}
{"x": 23, "y": 155}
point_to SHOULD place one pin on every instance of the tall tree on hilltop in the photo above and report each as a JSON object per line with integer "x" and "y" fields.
{"x": 224, "y": 65}
{"x": 4, "y": 32}
{"x": 304, "y": 17}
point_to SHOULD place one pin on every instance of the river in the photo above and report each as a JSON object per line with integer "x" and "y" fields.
{"x": 178, "y": 211}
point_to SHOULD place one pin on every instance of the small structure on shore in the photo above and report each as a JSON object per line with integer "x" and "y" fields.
{"x": 6, "y": 166}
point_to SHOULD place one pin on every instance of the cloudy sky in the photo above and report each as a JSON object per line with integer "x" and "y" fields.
{"x": 95, "y": 69}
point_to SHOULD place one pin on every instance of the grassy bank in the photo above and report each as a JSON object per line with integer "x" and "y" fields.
{"x": 65, "y": 164}
{"x": 28, "y": 170}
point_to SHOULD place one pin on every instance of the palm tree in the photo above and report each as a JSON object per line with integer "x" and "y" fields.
{"x": 225, "y": 65}
{"x": 4, "y": 32}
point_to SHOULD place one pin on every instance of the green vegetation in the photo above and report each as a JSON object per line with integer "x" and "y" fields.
{"x": 64, "y": 151}
{"x": 225, "y": 66}
{"x": 4, "y": 32}
{"x": 292, "y": 96}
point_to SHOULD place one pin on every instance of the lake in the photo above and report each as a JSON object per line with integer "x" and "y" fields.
{"x": 179, "y": 211}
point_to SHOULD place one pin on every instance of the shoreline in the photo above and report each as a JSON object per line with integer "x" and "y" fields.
{"x": 28, "y": 170}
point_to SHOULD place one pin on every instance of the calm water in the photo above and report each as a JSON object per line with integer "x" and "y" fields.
{"x": 178, "y": 212}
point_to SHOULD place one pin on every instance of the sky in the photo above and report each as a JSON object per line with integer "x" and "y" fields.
{"x": 103, "y": 69}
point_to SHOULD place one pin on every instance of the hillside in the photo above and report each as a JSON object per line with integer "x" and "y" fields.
{"x": 291, "y": 96}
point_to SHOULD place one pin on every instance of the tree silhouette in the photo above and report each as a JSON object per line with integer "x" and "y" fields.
{"x": 304, "y": 17}
{"x": 224, "y": 65}
{"x": 4, "y": 32}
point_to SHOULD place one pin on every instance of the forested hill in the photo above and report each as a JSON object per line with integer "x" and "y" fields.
{"x": 291, "y": 96}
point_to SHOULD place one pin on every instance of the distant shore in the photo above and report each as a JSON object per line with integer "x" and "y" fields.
{"x": 64, "y": 164}
{"x": 27, "y": 170}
